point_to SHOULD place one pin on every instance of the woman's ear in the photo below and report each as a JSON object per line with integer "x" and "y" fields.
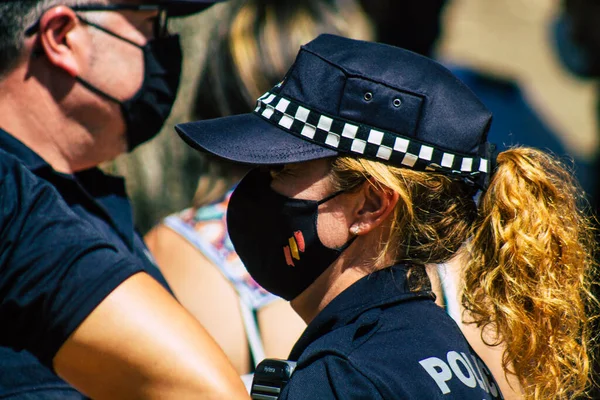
{"x": 58, "y": 34}
{"x": 377, "y": 203}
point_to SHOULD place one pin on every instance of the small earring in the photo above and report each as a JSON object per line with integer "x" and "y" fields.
{"x": 355, "y": 230}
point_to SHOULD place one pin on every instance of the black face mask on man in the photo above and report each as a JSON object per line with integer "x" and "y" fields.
{"x": 276, "y": 236}
{"x": 146, "y": 112}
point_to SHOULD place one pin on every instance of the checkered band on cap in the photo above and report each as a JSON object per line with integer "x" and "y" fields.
{"x": 365, "y": 141}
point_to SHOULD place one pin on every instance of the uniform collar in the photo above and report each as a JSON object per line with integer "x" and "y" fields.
{"x": 98, "y": 193}
{"x": 28, "y": 157}
{"x": 379, "y": 289}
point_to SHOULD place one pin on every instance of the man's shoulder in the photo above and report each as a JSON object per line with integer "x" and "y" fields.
{"x": 18, "y": 184}
{"x": 18, "y": 180}
{"x": 15, "y": 174}
{"x": 8, "y": 163}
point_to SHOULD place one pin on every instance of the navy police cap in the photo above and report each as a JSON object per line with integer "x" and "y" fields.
{"x": 370, "y": 100}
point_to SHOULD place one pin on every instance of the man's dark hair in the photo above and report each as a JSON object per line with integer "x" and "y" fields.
{"x": 15, "y": 18}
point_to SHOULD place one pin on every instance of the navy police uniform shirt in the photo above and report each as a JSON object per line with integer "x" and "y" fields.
{"x": 47, "y": 256}
{"x": 101, "y": 201}
{"x": 379, "y": 340}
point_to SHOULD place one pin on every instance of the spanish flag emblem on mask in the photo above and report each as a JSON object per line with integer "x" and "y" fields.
{"x": 294, "y": 248}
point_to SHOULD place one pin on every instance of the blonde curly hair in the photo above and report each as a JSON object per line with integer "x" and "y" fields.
{"x": 530, "y": 257}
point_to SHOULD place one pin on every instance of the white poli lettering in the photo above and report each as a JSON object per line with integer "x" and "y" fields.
{"x": 439, "y": 371}
{"x": 458, "y": 365}
{"x": 453, "y": 359}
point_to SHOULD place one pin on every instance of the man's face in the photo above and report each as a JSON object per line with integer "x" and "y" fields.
{"x": 115, "y": 67}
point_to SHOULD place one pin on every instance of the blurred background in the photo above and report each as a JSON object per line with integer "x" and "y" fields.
{"x": 505, "y": 49}
{"x": 514, "y": 39}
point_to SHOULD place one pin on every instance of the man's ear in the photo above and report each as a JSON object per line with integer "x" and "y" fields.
{"x": 377, "y": 203}
{"x": 58, "y": 33}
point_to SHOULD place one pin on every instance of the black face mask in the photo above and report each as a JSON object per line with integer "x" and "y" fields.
{"x": 276, "y": 236}
{"x": 146, "y": 112}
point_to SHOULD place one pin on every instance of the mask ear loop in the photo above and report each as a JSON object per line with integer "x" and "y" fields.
{"x": 85, "y": 83}
{"x": 353, "y": 238}
{"x": 108, "y": 32}
{"x": 94, "y": 89}
{"x": 331, "y": 196}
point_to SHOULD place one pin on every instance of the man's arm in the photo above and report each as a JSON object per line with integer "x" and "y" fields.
{"x": 78, "y": 304}
{"x": 140, "y": 343}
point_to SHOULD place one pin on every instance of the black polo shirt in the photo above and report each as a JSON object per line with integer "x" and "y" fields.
{"x": 101, "y": 202}
{"x": 379, "y": 340}
{"x": 48, "y": 255}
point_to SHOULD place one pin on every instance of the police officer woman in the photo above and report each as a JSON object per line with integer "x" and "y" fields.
{"x": 370, "y": 157}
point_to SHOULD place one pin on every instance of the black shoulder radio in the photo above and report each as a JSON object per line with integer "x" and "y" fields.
{"x": 270, "y": 378}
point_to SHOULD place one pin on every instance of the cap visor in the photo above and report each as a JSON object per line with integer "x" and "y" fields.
{"x": 249, "y": 139}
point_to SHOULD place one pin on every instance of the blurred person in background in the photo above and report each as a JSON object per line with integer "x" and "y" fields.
{"x": 576, "y": 37}
{"x": 417, "y": 26}
{"x": 82, "y": 81}
{"x": 250, "y": 50}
